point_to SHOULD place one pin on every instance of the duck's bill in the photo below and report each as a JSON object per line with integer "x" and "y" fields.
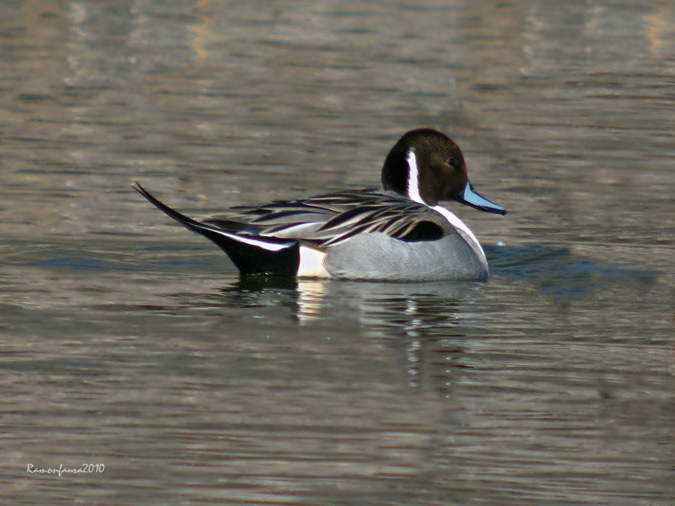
{"x": 471, "y": 198}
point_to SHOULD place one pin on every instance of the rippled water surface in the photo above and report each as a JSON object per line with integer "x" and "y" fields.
{"x": 131, "y": 344}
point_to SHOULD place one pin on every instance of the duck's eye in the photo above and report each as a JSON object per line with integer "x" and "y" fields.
{"x": 452, "y": 162}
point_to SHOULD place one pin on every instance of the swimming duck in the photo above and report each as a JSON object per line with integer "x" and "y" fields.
{"x": 397, "y": 233}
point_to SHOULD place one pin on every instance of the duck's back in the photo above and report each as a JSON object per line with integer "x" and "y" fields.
{"x": 330, "y": 219}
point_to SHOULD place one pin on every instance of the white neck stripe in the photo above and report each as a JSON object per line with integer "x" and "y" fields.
{"x": 413, "y": 177}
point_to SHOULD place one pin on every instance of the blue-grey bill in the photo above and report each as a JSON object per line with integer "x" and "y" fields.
{"x": 471, "y": 198}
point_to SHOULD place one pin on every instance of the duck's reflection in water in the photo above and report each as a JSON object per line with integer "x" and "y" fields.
{"x": 413, "y": 308}
{"x": 422, "y": 320}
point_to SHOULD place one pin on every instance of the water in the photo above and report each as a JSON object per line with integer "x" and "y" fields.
{"x": 131, "y": 344}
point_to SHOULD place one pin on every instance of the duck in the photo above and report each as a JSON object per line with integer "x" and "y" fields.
{"x": 398, "y": 232}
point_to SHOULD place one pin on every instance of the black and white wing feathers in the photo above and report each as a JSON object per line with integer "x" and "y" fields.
{"x": 329, "y": 219}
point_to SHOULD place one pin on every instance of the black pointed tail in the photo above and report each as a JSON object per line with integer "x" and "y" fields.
{"x": 251, "y": 254}
{"x": 191, "y": 224}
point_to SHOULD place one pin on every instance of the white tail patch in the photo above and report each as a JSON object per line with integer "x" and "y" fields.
{"x": 413, "y": 177}
{"x": 311, "y": 263}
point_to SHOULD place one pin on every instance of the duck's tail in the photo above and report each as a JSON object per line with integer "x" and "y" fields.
{"x": 252, "y": 254}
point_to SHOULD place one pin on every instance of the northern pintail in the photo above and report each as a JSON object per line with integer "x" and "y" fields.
{"x": 397, "y": 233}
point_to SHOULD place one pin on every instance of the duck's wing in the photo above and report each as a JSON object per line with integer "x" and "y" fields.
{"x": 332, "y": 218}
{"x": 290, "y": 218}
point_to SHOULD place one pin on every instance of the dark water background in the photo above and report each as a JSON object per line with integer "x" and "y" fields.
{"x": 127, "y": 341}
